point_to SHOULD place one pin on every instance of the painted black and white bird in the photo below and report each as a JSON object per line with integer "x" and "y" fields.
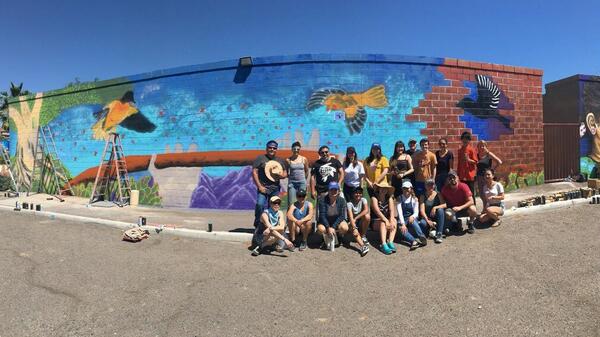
{"x": 488, "y": 100}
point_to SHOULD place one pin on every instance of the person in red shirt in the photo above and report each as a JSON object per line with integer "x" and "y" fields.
{"x": 467, "y": 162}
{"x": 457, "y": 199}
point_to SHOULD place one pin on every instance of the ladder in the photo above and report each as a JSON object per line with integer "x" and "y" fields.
{"x": 46, "y": 161}
{"x": 6, "y": 158}
{"x": 112, "y": 180}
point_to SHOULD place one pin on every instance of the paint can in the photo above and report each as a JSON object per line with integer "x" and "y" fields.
{"x": 17, "y": 206}
{"x": 25, "y": 205}
{"x": 210, "y": 227}
{"x": 141, "y": 221}
{"x": 543, "y": 199}
{"x": 38, "y": 207}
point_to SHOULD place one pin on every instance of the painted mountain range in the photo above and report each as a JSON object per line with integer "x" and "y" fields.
{"x": 233, "y": 191}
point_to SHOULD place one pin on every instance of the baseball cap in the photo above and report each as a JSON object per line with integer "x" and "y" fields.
{"x": 376, "y": 145}
{"x": 407, "y": 184}
{"x": 452, "y": 173}
{"x": 272, "y": 143}
{"x": 274, "y": 199}
{"x": 301, "y": 193}
{"x": 334, "y": 185}
{"x": 430, "y": 182}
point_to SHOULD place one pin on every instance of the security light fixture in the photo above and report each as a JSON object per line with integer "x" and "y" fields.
{"x": 245, "y": 61}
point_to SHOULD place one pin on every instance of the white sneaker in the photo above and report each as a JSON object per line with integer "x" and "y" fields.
{"x": 432, "y": 234}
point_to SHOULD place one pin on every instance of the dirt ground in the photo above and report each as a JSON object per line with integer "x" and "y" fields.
{"x": 535, "y": 275}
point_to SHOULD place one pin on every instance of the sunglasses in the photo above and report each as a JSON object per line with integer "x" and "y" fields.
{"x": 323, "y": 152}
{"x": 295, "y": 148}
{"x": 276, "y": 203}
{"x": 452, "y": 178}
{"x": 300, "y": 196}
{"x": 272, "y": 148}
{"x": 443, "y": 144}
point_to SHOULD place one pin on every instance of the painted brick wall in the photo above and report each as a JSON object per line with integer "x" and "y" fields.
{"x": 195, "y": 130}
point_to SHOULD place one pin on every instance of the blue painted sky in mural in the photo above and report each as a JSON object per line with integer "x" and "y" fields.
{"x": 195, "y": 114}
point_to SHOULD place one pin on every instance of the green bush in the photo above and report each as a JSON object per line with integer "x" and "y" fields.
{"x": 5, "y": 183}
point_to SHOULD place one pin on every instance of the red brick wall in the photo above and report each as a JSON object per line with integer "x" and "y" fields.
{"x": 524, "y": 150}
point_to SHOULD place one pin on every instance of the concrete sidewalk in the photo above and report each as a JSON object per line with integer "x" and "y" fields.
{"x": 194, "y": 221}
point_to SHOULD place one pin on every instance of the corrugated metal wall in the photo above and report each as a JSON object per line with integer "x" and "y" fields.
{"x": 561, "y": 150}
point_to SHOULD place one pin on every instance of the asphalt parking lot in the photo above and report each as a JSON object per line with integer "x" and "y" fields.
{"x": 536, "y": 275}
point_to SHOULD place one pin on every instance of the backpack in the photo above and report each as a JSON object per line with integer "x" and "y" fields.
{"x": 135, "y": 234}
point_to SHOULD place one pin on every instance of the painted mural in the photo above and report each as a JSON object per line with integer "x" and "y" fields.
{"x": 482, "y": 109}
{"x": 590, "y": 130}
{"x": 191, "y": 133}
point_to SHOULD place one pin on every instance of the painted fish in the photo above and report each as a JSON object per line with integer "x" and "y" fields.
{"x": 352, "y": 104}
{"x": 121, "y": 112}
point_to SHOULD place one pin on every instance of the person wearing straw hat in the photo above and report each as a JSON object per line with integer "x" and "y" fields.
{"x": 383, "y": 215}
{"x": 271, "y": 228}
{"x": 267, "y": 171}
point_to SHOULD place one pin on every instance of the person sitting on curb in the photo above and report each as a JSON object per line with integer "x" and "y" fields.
{"x": 408, "y": 212}
{"x": 457, "y": 199}
{"x": 432, "y": 214}
{"x": 271, "y": 228}
{"x": 494, "y": 196}
{"x": 358, "y": 213}
{"x": 300, "y": 216}
{"x": 332, "y": 216}
{"x": 384, "y": 216}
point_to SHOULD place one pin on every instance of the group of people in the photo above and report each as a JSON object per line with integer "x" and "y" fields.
{"x": 416, "y": 192}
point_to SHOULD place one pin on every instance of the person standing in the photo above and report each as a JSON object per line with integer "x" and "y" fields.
{"x": 324, "y": 171}
{"x": 445, "y": 163}
{"x": 425, "y": 166}
{"x": 485, "y": 161}
{"x": 412, "y": 149}
{"x": 401, "y": 167}
{"x": 297, "y": 172}
{"x": 377, "y": 167}
{"x": 267, "y": 171}
{"x": 467, "y": 163}
{"x": 354, "y": 173}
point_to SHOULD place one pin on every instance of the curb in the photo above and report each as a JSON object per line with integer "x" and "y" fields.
{"x": 538, "y": 208}
{"x": 154, "y": 230}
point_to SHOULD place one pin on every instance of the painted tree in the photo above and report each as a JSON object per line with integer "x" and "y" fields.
{"x": 26, "y": 119}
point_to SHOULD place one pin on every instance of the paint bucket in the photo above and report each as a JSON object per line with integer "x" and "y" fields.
{"x": 38, "y": 207}
{"x": 25, "y": 205}
{"x": 210, "y": 227}
{"x": 141, "y": 221}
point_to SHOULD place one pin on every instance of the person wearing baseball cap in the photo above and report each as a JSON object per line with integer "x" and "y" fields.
{"x": 267, "y": 171}
{"x": 408, "y": 213}
{"x": 271, "y": 228}
{"x": 300, "y": 217}
{"x": 331, "y": 216}
{"x": 457, "y": 199}
{"x": 432, "y": 214}
{"x": 376, "y": 167}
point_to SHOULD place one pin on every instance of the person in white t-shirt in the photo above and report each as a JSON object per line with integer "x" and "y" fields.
{"x": 354, "y": 172}
{"x": 494, "y": 196}
{"x": 359, "y": 215}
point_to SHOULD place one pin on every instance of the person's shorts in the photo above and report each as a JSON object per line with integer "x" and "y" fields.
{"x": 463, "y": 213}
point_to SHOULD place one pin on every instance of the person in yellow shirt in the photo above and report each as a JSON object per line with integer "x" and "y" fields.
{"x": 376, "y": 167}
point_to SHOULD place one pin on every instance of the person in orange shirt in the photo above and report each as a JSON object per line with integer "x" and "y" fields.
{"x": 467, "y": 162}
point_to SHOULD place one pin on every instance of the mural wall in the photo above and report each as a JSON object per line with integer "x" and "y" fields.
{"x": 190, "y": 134}
{"x": 590, "y": 126}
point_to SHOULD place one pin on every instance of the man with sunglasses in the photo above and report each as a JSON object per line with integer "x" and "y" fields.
{"x": 267, "y": 171}
{"x": 457, "y": 199}
{"x": 324, "y": 171}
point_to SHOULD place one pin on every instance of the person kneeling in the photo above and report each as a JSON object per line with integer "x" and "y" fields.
{"x": 332, "y": 216}
{"x": 271, "y": 228}
{"x": 458, "y": 201}
{"x": 300, "y": 217}
{"x": 494, "y": 196}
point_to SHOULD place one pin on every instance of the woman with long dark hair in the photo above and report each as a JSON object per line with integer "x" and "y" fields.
{"x": 354, "y": 172}
{"x": 377, "y": 167}
{"x": 485, "y": 161}
{"x": 400, "y": 167}
{"x": 445, "y": 163}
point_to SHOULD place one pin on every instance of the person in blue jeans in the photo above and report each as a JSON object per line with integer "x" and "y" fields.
{"x": 432, "y": 214}
{"x": 267, "y": 171}
{"x": 408, "y": 212}
{"x": 297, "y": 172}
{"x": 300, "y": 216}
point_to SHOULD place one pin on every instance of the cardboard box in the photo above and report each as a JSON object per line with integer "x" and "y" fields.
{"x": 594, "y": 183}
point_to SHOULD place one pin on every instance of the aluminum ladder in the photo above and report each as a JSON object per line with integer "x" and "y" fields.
{"x": 6, "y": 158}
{"x": 46, "y": 161}
{"x": 112, "y": 179}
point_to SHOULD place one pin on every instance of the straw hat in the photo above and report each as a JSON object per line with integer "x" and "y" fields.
{"x": 273, "y": 167}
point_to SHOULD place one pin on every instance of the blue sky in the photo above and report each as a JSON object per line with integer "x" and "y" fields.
{"x": 48, "y": 44}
